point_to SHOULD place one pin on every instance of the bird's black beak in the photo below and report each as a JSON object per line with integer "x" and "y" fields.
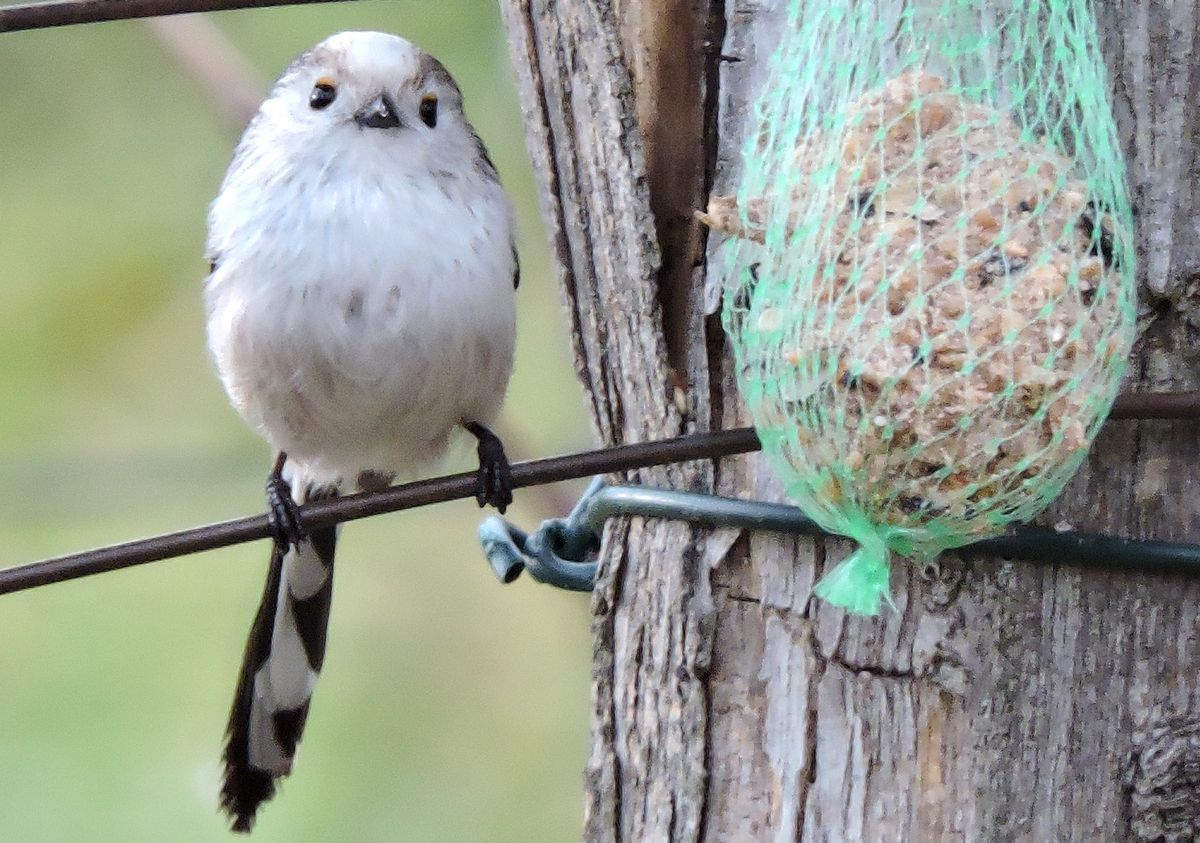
{"x": 379, "y": 113}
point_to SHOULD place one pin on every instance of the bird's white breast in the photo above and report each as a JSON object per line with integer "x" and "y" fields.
{"x": 360, "y": 310}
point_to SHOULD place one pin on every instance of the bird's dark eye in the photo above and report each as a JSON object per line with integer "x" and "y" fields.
{"x": 323, "y": 93}
{"x": 429, "y": 110}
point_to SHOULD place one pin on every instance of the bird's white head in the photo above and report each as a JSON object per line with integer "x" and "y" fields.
{"x": 369, "y": 95}
{"x": 361, "y": 134}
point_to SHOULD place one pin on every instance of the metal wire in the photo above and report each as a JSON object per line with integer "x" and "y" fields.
{"x": 557, "y": 554}
{"x": 1180, "y": 405}
{"x": 422, "y": 493}
{"x": 1157, "y": 405}
{"x": 23, "y": 16}
{"x": 562, "y": 551}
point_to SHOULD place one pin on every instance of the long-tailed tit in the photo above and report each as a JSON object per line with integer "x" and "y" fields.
{"x": 360, "y": 310}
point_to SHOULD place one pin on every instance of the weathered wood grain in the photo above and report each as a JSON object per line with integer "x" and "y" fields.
{"x": 652, "y": 605}
{"x": 1001, "y": 701}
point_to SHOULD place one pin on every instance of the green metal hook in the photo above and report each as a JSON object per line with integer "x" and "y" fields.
{"x": 561, "y": 552}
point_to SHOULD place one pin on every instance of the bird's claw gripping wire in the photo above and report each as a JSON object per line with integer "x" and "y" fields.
{"x": 283, "y": 516}
{"x": 494, "y": 484}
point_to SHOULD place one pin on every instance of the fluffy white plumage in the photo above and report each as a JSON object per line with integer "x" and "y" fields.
{"x": 362, "y": 301}
{"x": 360, "y": 308}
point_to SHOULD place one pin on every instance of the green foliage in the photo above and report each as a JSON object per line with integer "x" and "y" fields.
{"x": 450, "y": 708}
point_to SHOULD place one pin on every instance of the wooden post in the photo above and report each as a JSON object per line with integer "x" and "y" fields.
{"x": 1003, "y": 701}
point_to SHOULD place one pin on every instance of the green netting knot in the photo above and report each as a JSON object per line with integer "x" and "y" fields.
{"x": 860, "y": 581}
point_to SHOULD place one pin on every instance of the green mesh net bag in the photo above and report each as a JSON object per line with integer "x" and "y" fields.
{"x": 928, "y": 269}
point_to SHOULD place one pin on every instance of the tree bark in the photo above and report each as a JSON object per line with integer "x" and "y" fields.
{"x": 1003, "y": 700}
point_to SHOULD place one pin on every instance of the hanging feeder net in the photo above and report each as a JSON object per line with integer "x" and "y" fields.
{"x": 928, "y": 269}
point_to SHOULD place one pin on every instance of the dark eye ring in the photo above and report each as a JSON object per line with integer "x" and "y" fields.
{"x": 428, "y": 110}
{"x": 323, "y": 93}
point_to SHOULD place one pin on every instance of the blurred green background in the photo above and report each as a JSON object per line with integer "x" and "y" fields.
{"x": 450, "y": 708}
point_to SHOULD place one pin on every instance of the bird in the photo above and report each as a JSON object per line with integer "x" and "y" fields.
{"x": 360, "y": 311}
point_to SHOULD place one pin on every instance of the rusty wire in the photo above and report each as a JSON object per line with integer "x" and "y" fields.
{"x": 23, "y": 16}
{"x": 407, "y": 496}
{"x": 1171, "y": 405}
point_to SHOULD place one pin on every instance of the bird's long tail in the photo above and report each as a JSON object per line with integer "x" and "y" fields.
{"x": 283, "y": 657}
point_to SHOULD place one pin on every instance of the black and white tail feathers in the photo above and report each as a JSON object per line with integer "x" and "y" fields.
{"x": 283, "y": 657}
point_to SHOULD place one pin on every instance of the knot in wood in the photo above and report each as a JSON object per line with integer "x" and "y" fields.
{"x": 1166, "y": 782}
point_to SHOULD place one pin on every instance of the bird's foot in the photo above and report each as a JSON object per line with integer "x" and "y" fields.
{"x": 494, "y": 482}
{"x": 283, "y": 515}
